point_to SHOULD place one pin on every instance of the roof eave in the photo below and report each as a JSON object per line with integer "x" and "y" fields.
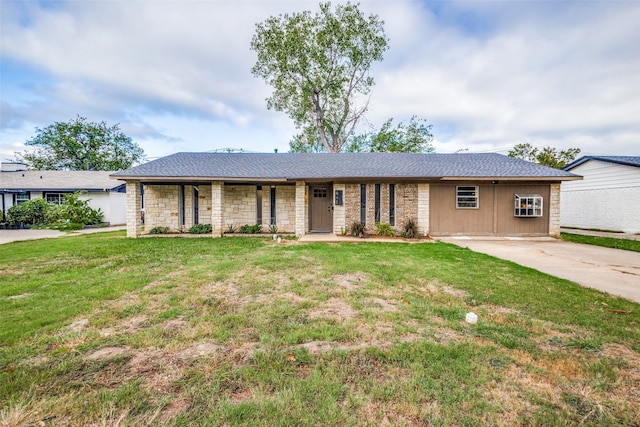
{"x": 512, "y": 178}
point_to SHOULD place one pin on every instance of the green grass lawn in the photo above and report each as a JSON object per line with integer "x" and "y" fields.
{"x": 104, "y": 330}
{"x": 607, "y": 242}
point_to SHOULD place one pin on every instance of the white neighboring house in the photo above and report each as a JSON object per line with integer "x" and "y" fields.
{"x": 18, "y": 185}
{"x": 608, "y": 198}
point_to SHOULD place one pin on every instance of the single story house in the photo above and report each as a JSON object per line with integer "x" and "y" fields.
{"x": 17, "y": 185}
{"x": 609, "y": 196}
{"x": 444, "y": 194}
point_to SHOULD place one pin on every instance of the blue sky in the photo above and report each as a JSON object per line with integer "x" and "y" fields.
{"x": 176, "y": 74}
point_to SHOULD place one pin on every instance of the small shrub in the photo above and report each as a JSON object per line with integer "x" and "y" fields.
{"x": 159, "y": 230}
{"x": 410, "y": 229}
{"x": 201, "y": 229}
{"x": 251, "y": 229}
{"x": 384, "y": 229}
{"x": 357, "y": 229}
{"x": 231, "y": 229}
{"x": 273, "y": 229}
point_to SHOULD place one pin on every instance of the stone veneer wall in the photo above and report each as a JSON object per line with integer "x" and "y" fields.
{"x": 423, "y": 209}
{"x": 239, "y": 206}
{"x": 554, "y": 210}
{"x": 204, "y": 204}
{"x": 351, "y": 204}
{"x": 161, "y": 206}
{"x": 406, "y": 204}
{"x": 286, "y": 208}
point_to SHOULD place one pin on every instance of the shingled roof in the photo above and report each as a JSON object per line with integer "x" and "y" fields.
{"x": 64, "y": 181}
{"x": 342, "y": 166}
{"x": 621, "y": 160}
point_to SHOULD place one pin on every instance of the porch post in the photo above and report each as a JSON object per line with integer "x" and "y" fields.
{"x": 217, "y": 204}
{"x": 300, "y": 208}
{"x": 554, "y": 211}
{"x": 133, "y": 209}
{"x": 423, "y": 209}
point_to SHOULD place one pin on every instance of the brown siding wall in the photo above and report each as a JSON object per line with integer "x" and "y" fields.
{"x": 494, "y": 215}
{"x": 508, "y": 224}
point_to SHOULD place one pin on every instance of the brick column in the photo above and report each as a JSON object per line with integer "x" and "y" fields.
{"x": 133, "y": 209}
{"x": 301, "y": 228}
{"x": 554, "y": 211}
{"x": 217, "y": 204}
{"x": 423, "y": 209}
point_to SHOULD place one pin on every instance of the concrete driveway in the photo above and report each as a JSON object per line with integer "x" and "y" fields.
{"x": 614, "y": 271}
{"x": 7, "y": 236}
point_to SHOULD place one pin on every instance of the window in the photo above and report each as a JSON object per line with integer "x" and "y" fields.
{"x": 320, "y": 192}
{"x": 392, "y": 204}
{"x": 363, "y": 203}
{"x": 181, "y": 205}
{"x": 259, "y": 204}
{"x": 196, "y": 206}
{"x": 21, "y": 198}
{"x": 527, "y": 205}
{"x": 376, "y": 203}
{"x": 273, "y": 205}
{"x": 55, "y": 198}
{"x": 466, "y": 197}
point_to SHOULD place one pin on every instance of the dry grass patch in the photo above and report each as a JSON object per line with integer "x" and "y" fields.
{"x": 333, "y": 308}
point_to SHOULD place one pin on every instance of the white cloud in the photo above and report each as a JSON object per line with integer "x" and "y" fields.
{"x": 177, "y": 74}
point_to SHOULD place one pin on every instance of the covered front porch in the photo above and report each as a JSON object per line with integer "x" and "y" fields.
{"x": 223, "y": 204}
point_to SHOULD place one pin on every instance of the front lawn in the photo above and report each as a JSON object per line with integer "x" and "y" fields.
{"x": 104, "y": 330}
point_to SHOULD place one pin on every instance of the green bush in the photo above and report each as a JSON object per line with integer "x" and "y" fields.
{"x": 39, "y": 212}
{"x": 357, "y": 229}
{"x": 251, "y": 229}
{"x": 231, "y": 229}
{"x": 79, "y": 211}
{"x": 201, "y": 229}
{"x": 159, "y": 230}
{"x": 384, "y": 229}
{"x": 273, "y": 229}
{"x": 31, "y": 212}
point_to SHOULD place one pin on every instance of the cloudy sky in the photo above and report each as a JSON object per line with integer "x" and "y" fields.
{"x": 176, "y": 74}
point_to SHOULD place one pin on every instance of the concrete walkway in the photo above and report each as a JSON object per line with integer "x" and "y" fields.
{"x": 615, "y": 271}
{"x": 7, "y": 236}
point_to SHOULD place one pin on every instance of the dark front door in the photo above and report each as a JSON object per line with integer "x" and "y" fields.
{"x": 321, "y": 208}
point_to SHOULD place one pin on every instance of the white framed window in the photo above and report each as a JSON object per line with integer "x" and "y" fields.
{"x": 55, "y": 198}
{"x": 467, "y": 197}
{"x": 527, "y": 205}
{"x": 21, "y": 198}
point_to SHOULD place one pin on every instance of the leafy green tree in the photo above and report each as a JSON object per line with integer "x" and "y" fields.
{"x": 548, "y": 156}
{"x": 319, "y": 67}
{"x": 81, "y": 145}
{"x": 414, "y": 137}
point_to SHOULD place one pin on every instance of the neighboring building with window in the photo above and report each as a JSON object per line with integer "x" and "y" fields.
{"x": 609, "y": 196}
{"x": 481, "y": 194}
{"x": 18, "y": 185}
